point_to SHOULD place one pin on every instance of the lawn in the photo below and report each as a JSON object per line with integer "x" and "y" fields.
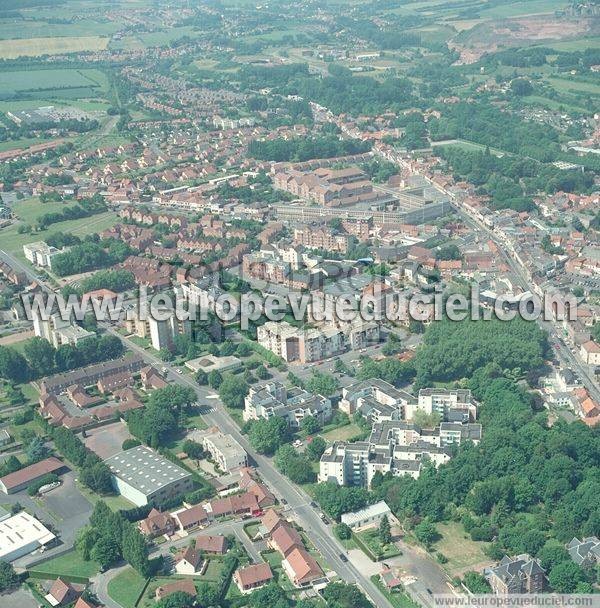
{"x": 67, "y": 565}
{"x": 126, "y": 588}
{"x": 342, "y": 433}
{"x": 398, "y": 599}
{"x": 251, "y": 530}
{"x": 114, "y": 503}
{"x": 33, "y": 47}
{"x": 462, "y": 553}
{"x": 370, "y": 538}
{"x": 528, "y": 7}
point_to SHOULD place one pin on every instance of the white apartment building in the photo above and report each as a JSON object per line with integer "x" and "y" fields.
{"x": 161, "y": 332}
{"x": 225, "y": 451}
{"x": 41, "y": 254}
{"x": 58, "y": 331}
{"x": 274, "y": 399}
{"x": 396, "y": 447}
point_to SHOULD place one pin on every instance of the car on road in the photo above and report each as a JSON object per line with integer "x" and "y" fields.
{"x": 325, "y": 519}
{"x": 283, "y": 501}
{"x": 343, "y": 557}
{"x": 179, "y": 371}
{"x": 313, "y": 504}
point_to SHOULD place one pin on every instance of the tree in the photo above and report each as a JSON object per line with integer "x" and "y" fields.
{"x": 40, "y": 355}
{"x": 336, "y": 500}
{"x": 296, "y": 466}
{"x": 521, "y": 87}
{"x": 135, "y": 550}
{"x": 8, "y": 577}
{"x": 385, "y": 532}
{"x": 343, "y": 531}
{"x": 315, "y": 448}
{"x": 243, "y": 350}
{"x": 13, "y": 366}
{"x": 426, "y": 421}
{"x": 193, "y": 449}
{"x": 343, "y": 595}
{"x": 106, "y": 552}
{"x": 476, "y": 583}
{"x": 208, "y": 595}
{"x": 267, "y": 435}
{"x": 201, "y": 377}
{"x": 426, "y": 532}
{"x": 233, "y": 391}
{"x": 37, "y": 450}
{"x": 310, "y": 425}
{"x": 322, "y": 384}
{"x": 214, "y": 379}
{"x": 565, "y": 577}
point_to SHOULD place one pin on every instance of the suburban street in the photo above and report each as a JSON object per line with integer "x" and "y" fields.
{"x": 298, "y": 502}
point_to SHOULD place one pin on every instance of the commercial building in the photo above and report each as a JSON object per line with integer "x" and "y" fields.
{"x": 23, "y": 478}
{"x": 367, "y": 517}
{"x": 21, "y": 534}
{"x": 294, "y": 404}
{"x": 225, "y": 451}
{"x": 143, "y": 477}
{"x": 210, "y": 363}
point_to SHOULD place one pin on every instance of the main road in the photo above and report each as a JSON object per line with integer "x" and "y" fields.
{"x": 298, "y": 501}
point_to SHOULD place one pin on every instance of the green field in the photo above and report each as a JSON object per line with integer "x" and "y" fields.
{"x": 462, "y": 553}
{"x": 13, "y": 242}
{"x": 575, "y": 45}
{"x": 126, "y": 587}
{"x": 38, "y": 81}
{"x": 565, "y": 85}
{"x": 526, "y": 7}
{"x": 68, "y": 564}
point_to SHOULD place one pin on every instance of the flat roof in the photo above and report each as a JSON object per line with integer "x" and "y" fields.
{"x": 144, "y": 469}
{"x": 379, "y": 508}
{"x": 21, "y": 530}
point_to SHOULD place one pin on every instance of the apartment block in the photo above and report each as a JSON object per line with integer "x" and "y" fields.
{"x": 396, "y": 447}
{"x": 315, "y": 344}
{"x": 41, "y": 254}
{"x": 275, "y": 399}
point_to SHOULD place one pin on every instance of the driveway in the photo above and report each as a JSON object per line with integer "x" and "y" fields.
{"x": 21, "y": 598}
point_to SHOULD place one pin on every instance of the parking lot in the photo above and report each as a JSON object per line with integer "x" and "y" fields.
{"x": 106, "y": 441}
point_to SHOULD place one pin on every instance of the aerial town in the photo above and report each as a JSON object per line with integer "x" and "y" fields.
{"x": 235, "y": 242}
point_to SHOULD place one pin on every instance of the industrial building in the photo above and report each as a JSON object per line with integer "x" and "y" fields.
{"x": 143, "y": 476}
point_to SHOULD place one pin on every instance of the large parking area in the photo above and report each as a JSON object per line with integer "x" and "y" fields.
{"x": 106, "y": 441}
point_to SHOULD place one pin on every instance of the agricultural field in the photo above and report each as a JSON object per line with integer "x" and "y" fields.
{"x": 51, "y": 81}
{"x": 34, "y": 47}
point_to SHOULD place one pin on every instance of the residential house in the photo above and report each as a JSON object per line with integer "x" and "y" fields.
{"x": 301, "y": 567}
{"x": 157, "y": 524}
{"x": 183, "y": 586}
{"x": 189, "y": 561}
{"x": 252, "y": 577}
{"x": 586, "y": 552}
{"x": 214, "y": 545}
{"x": 520, "y": 574}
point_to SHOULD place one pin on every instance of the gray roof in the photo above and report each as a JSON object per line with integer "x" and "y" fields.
{"x": 144, "y": 469}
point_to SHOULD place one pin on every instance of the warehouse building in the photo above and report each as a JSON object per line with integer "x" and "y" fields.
{"x": 23, "y": 478}
{"x": 20, "y": 535}
{"x": 143, "y": 476}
